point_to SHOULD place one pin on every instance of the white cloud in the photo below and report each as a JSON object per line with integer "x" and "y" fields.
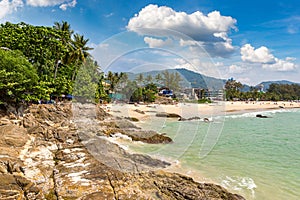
{"x": 154, "y": 42}
{"x": 281, "y": 65}
{"x": 234, "y": 69}
{"x": 263, "y": 56}
{"x": 244, "y": 80}
{"x": 7, "y": 7}
{"x": 259, "y": 55}
{"x": 71, "y": 4}
{"x": 44, "y": 3}
{"x": 210, "y": 30}
{"x": 109, "y": 15}
{"x": 64, "y": 4}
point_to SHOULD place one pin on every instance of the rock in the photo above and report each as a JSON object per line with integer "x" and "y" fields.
{"x": 194, "y": 118}
{"x": 189, "y": 119}
{"x": 133, "y": 119}
{"x": 125, "y": 124}
{"x": 50, "y": 158}
{"x": 150, "y": 137}
{"x": 13, "y": 136}
{"x": 261, "y": 116}
{"x": 206, "y": 119}
{"x": 101, "y": 114}
{"x": 139, "y": 111}
{"x": 168, "y": 115}
{"x": 4, "y": 121}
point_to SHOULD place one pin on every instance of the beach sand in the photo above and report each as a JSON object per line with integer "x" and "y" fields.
{"x": 188, "y": 110}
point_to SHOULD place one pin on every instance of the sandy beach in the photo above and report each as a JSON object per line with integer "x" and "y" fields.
{"x": 188, "y": 110}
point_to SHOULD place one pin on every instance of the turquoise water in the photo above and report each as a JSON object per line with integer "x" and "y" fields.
{"x": 257, "y": 158}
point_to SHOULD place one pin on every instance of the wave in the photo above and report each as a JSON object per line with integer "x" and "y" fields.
{"x": 242, "y": 184}
{"x": 117, "y": 139}
{"x": 268, "y": 113}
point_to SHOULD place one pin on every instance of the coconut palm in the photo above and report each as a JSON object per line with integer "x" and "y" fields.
{"x": 66, "y": 35}
{"x": 79, "y": 52}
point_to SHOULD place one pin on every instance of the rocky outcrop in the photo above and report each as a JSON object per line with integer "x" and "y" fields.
{"x": 51, "y": 155}
{"x": 112, "y": 126}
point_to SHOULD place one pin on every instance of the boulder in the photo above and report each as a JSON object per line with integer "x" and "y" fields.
{"x": 168, "y": 115}
{"x": 261, "y": 116}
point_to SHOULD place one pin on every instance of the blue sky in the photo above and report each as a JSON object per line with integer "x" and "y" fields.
{"x": 251, "y": 41}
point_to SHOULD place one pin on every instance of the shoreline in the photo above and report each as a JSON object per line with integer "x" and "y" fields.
{"x": 54, "y": 152}
{"x": 144, "y": 112}
{"x": 230, "y": 108}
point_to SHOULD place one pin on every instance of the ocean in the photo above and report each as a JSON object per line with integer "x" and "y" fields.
{"x": 258, "y": 158}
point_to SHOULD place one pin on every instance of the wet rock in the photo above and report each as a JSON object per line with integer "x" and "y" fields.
{"x": 189, "y": 119}
{"x": 261, "y": 116}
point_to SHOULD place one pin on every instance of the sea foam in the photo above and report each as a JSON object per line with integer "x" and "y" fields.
{"x": 244, "y": 184}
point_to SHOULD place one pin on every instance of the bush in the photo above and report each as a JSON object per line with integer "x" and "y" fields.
{"x": 204, "y": 101}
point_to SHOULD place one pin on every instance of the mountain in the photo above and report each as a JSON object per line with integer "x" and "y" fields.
{"x": 197, "y": 80}
{"x": 189, "y": 79}
{"x": 267, "y": 84}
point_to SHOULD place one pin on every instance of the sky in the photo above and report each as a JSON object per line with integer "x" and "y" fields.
{"x": 250, "y": 41}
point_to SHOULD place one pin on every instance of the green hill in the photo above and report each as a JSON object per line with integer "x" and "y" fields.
{"x": 189, "y": 79}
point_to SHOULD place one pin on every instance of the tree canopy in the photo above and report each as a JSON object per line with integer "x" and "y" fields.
{"x": 50, "y": 56}
{"x": 275, "y": 92}
{"x": 18, "y": 78}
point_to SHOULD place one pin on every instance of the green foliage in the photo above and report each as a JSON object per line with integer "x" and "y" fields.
{"x": 276, "y": 92}
{"x": 137, "y": 95}
{"x": 204, "y": 101}
{"x": 149, "y": 95}
{"x": 55, "y": 53}
{"x": 101, "y": 95}
{"x": 149, "y": 79}
{"x": 62, "y": 85}
{"x": 88, "y": 84}
{"x": 18, "y": 79}
{"x": 48, "y": 62}
{"x": 232, "y": 89}
{"x": 127, "y": 90}
{"x": 152, "y": 86}
{"x": 171, "y": 80}
{"x": 284, "y": 91}
{"x": 41, "y": 45}
{"x": 140, "y": 79}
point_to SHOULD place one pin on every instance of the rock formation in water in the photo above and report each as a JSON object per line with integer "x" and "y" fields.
{"x": 50, "y": 154}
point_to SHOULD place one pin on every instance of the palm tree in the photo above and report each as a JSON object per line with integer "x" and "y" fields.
{"x": 66, "y": 35}
{"x": 79, "y": 52}
{"x": 158, "y": 78}
{"x": 111, "y": 78}
{"x": 139, "y": 78}
{"x": 64, "y": 26}
{"x": 149, "y": 78}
